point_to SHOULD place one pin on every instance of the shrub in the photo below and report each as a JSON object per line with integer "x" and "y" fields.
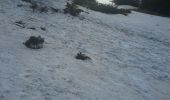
{"x": 81, "y": 56}
{"x": 34, "y": 42}
{"x": 72, "y": 9}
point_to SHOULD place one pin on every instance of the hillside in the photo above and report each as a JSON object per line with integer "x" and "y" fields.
{"x": 130, "y": 55}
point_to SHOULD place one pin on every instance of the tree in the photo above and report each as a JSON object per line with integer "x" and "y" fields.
{"x": 127, "y": 2}
{"x": 159, "y": 6}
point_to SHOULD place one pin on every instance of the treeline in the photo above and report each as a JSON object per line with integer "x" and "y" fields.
{"x": 127, "y": 2}
{"x": 94, "y": 5}
{"x": 158, "y": 6}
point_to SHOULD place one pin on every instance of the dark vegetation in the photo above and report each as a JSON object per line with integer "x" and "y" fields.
{"x": 20, "y": 24}
{"x": 36, "y": 7}
{"x": 19, "y": 5}
{"x": 72, "y": 9}
{"x": 40, "y": 7}
{"x": 93, "y": 5}
{"x": 32, "y": 28}
{"x": 44, "y": 9}
{"x": 134, "y": 3}
{"x": 34, "y": 42}
{"x": 81, "y": 56}
{"x": 28, "y": 1}
{"x": 157, "y": 7}
{"x": 43, "y": 28}
{"x": 54, "y": 10}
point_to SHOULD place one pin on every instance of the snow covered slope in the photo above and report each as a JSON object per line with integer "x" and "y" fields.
{"x": 130, "y": 55}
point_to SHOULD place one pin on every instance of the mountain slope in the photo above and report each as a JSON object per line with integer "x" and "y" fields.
{"x": 130, "y": 55}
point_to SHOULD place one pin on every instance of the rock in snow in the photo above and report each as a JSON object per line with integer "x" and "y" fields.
{"x": 130, "y": 55}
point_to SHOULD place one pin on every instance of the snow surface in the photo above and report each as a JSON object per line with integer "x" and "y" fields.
{"x": 104, "y": 1}
{"x": 130, "y": 55}
{"x": 127, "y": 7}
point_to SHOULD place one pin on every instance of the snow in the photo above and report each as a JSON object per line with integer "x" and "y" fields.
{"x": 104, "y": 1}
{"x": 126, "y": 7}
{"x": 130, "y": 55}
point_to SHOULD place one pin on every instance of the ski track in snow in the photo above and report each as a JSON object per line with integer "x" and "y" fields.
{"x": 130, "y": 55}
